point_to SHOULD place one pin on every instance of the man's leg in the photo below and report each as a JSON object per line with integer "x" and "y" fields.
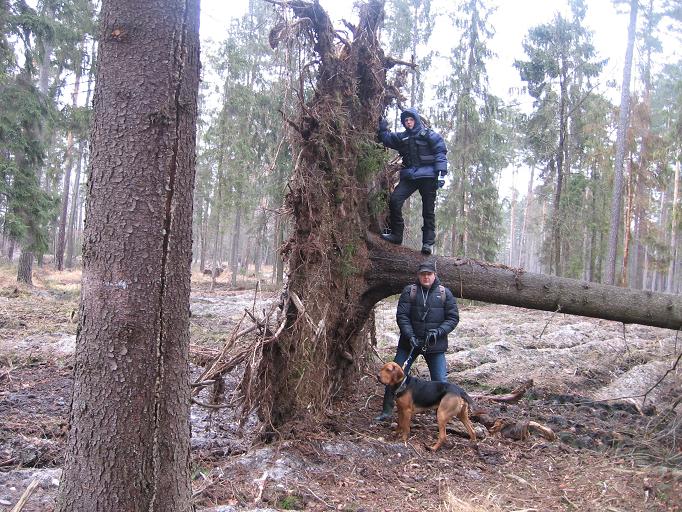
{"x": 401, "y": 356}
{"x": 404, "y": 190}
{"x": 428, "y": 189}
{"x": 438, "y": 368}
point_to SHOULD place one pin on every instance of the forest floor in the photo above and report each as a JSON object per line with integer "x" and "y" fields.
{"x": 613, "y": 452}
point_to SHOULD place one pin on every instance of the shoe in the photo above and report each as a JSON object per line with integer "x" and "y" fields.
{"x": 427, "y": 249}
{"x": 384, "y": 417}
{"x": 394, "y": 239}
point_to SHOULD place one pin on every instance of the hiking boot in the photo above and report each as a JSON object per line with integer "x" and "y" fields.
{"x": 394, "y": 239}
{"x": 427, "y": 249}
{"x": 384, "y": 417}
{"x": 386, "y": 406}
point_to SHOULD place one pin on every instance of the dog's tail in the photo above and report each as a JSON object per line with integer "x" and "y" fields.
{"x": 464, "y": 395}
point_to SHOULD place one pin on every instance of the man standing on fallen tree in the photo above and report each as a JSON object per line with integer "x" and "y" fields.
{"x": 425, "y": 165}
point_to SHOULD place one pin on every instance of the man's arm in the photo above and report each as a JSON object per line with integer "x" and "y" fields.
{"x": 440, "y": 151}
{"x": 388, "y": 138}
{"x": 402, "y": 315}
{"x": 451, "y": 313}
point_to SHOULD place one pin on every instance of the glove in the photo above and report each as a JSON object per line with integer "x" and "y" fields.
{"x": 432, "y": 336}
{"x": 441, "y": 179}
{"x": 383, "y": 124}
{"x": 415, "y": 343}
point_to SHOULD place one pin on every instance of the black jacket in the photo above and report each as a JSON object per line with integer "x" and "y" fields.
{"x": 415, "y": 318}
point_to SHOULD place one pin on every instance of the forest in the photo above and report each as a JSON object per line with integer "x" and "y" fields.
{"x": 152, "y": 172}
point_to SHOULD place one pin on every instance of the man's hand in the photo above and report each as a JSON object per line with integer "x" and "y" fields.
{"x": 383, "y": 124}
{"x": 441, "y": 179}
{"x": 432, "y": 336}
{"x": 415, "y": 343}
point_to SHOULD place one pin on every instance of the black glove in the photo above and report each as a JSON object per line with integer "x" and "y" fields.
{"x": 416, "y": 343}
{"x": 383, "y": 124}
{"x": 432, "y": 336}
{"x": 441, "y": 179}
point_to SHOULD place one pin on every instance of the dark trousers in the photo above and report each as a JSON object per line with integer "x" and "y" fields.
{"x": 427, "y": 189}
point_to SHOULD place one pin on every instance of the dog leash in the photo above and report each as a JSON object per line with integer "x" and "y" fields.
{"x": 407, "y": 365}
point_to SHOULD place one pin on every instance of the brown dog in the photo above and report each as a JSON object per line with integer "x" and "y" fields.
{"x": 416, "y": 395}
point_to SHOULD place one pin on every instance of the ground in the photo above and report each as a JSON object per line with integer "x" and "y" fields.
{"x": 614, "y": 450}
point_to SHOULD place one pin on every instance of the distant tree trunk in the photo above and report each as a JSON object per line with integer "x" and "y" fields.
{"x": 75, "y": 205}
{"x": 128, "y": 446}
{"x": 560, "y": 154}
{"x": 234, "y": 256}
{"x": 674, "y": 230}
{"x": 524, "y": 251}
{"x": 10, "y": 251}
{"x": 626, "y": 225}
{"x": 617, "y": 198}
{"x": 512, "y": 219}
{"x": 216, "y": 261}
{"x": 25, "y": 270}
{"x": 68, "y": 159}
{"x": 279, "y": 261}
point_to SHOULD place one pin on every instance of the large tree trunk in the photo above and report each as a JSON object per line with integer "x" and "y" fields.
{"x": 128, "y": 447}
{"x": 25, "y": 268}
{"x": 617, "y": 198}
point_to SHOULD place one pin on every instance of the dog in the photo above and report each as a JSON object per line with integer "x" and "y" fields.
{"x": 416, "y": 395}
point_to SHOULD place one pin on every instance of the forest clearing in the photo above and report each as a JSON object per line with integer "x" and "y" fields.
{"x": 609, "y": 455}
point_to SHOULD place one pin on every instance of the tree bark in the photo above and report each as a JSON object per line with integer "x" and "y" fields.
{"x": 617, "y": 198}
{"x": 128, "y": 447}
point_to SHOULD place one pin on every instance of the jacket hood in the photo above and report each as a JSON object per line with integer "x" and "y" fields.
{"x": 412, "y": 112}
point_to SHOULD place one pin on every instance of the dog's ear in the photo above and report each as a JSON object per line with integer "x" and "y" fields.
{"x": 396, "y": 373}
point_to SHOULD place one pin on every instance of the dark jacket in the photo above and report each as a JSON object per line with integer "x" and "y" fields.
{"x": 423, "y": 150}
{"x": 412, "y": 321}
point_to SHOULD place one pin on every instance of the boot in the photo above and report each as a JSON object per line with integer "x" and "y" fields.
{"x": 387, "y": 409}
{"x": 427, "y": 249}
{"x": 394, "y": 239}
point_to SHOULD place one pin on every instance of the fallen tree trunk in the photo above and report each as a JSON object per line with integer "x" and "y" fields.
{"x": 392, "y": 267}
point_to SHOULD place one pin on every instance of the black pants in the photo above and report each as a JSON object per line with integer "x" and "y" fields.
{"x": 427, "y": 189}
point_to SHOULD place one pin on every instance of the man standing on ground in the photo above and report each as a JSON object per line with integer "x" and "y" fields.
{"x": 425, "y": 165}
{"x": 427, "y": 313}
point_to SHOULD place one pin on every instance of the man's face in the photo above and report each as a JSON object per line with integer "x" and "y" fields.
{"x": 426, "y": 279}
{"x": 409, "y": 123}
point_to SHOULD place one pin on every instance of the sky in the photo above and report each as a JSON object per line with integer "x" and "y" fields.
{"x": 511, "y": 22}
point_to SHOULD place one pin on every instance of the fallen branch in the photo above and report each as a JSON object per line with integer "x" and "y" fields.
{"x": 24, "y": 497}
{"x": 510, "y": 398}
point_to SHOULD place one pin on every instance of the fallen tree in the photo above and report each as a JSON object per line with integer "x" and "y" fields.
{"x": 392, "y": 267}
{"x": 338, "y": 267}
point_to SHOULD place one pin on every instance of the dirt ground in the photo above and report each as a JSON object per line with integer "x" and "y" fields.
{"x": 615, "y": 451}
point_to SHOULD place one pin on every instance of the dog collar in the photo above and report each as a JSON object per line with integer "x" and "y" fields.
{"x": 402, "y": 385}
